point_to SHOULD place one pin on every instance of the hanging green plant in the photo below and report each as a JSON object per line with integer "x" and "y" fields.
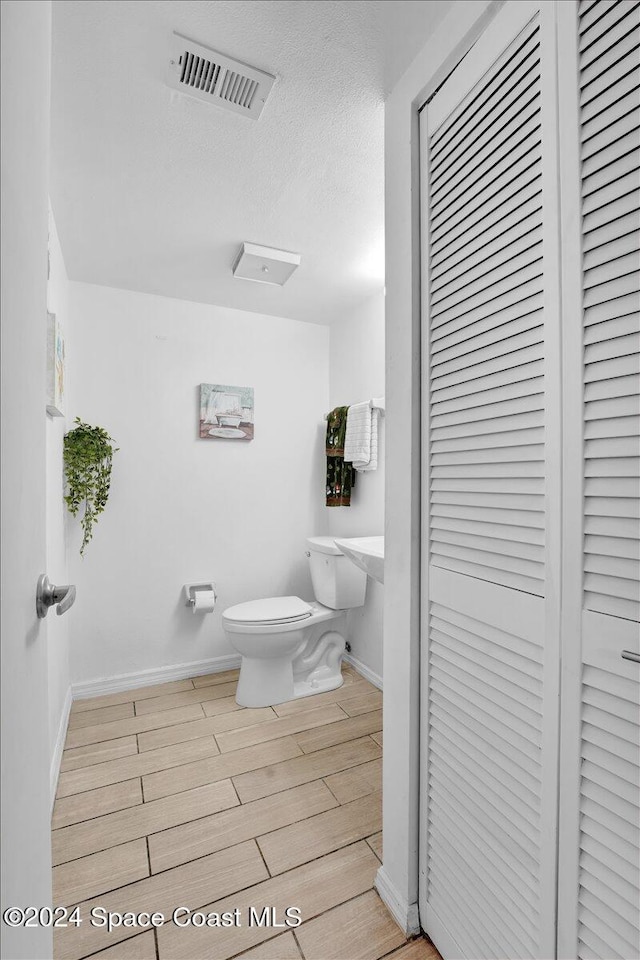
{"x": 88, "y": 455}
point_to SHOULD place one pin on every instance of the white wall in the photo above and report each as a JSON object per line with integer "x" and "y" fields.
{"x": 183, "y": 509}
{"x": 357, "y": 373}
{"x": 58, "y": 627}
{"x": 25, "y": 806}
{"x": 398, "y": 878}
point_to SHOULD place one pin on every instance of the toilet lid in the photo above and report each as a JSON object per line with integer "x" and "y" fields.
{"x": 270, "y": 610}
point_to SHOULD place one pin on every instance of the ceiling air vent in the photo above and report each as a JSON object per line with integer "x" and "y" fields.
{"x": 209, "y": 76}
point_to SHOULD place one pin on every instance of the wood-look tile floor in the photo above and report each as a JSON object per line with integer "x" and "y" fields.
{"x": 174, "y": 796}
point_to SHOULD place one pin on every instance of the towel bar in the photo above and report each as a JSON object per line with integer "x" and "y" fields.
{"x": 377, "y": 403}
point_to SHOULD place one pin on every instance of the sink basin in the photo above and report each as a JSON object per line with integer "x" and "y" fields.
{"x": 367, "y": 553}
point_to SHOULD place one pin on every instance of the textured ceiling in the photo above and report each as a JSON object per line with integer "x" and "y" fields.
{"x": 154, "y": 191}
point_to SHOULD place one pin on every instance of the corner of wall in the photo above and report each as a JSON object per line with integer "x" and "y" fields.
{"x": 357, "y": 372}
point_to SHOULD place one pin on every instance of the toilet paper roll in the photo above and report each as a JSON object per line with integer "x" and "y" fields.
{"x": 204, "y": 601}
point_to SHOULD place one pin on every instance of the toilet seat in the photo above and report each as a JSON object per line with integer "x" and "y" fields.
{"x": 270, "y": 611}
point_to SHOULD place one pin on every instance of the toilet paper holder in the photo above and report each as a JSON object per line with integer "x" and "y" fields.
{"x": 191, "y": 589}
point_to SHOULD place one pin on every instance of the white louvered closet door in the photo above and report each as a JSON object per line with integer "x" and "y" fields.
{"x": 599, "y": 882}
{"x": 491, "y": 495}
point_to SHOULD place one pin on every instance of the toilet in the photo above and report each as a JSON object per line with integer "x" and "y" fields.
{"x": 290, "y": 648}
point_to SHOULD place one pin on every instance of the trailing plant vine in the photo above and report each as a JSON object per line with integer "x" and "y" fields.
{"x": 88, "y": 455}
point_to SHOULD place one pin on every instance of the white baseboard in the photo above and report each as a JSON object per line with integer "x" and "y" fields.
{"x": 56, "y": 759}
{"x": 405, "y": 914}
{"x": 363, "y": 670}
{"x": 180, "y": 671}
{"x": 146, "y": 678}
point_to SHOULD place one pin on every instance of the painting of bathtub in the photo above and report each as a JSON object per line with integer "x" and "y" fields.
{"x": 226, "y": 413}
{"x": 55, "y": 367}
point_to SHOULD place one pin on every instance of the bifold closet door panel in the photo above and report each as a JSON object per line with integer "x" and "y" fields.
{"x": 599, "y": 856}
{"x": 490, "y": 628}
{"x": 609, "y": 53}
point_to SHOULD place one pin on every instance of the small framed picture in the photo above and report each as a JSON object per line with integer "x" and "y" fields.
{"x": 55, "y": 367}
{"x": 226, "y": 413}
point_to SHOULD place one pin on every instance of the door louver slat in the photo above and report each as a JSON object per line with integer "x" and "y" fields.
{"x": 511, "y": 231}
{"x": 516, "y": 154}
{"x": 609, "y": 329}
{"x": 612, "y": 340}
{"x": 490, "y": 440}
{"x": 488, "y": 921}
{"x": 516, "y": 772}
{"x": 462, "y": 123}
{"x": 488, "y": 199}
{"x": 616, "y": 54}
{"x": 481, "y": 121}
{"x": 509, "y": 779}
{"x": 519, "y": 122}
{"x": 492, "y": 868}
{"x": 493, "y": 229}
{"x": 520, "y": 255}
{"x": 478, "y": 352}
{"x": 487, "y": 352}
{"x": 610, "y": 841}
{"x": 505, "y": 548}
{"x": 485, "y": 692}
{"x": 596, "y": 39}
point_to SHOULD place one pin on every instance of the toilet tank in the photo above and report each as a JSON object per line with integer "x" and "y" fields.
{"x": 337, "y": 583}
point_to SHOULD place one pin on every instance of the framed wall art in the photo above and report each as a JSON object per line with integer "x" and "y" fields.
{"x": 226, "y": 412}
{"x": 55, "y": 367}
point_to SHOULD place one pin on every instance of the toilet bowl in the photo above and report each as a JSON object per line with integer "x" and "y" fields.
{"x": 289, "y": 647}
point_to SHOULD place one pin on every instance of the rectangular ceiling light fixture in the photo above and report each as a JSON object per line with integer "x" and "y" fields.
{"x": 264, "y": 264}
{"x": 210, "y": 76}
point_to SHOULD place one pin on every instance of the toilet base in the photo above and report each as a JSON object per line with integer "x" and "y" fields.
{"x": 307, "y": 688}
{"x": 289, "y": 661}
{"x": 264, "y": 683}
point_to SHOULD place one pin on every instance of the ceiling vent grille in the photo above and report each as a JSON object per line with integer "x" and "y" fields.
{"x": 209, "y": 76}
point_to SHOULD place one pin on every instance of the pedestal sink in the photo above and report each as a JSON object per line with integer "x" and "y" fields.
{"x": 367, "y": 553}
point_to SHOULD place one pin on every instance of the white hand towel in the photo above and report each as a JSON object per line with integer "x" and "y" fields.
{"x": 361, "y": 438}
{"x": 372, "y": 463}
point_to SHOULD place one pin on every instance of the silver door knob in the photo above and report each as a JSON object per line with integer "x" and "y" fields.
{"x": 48, "y": 595}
